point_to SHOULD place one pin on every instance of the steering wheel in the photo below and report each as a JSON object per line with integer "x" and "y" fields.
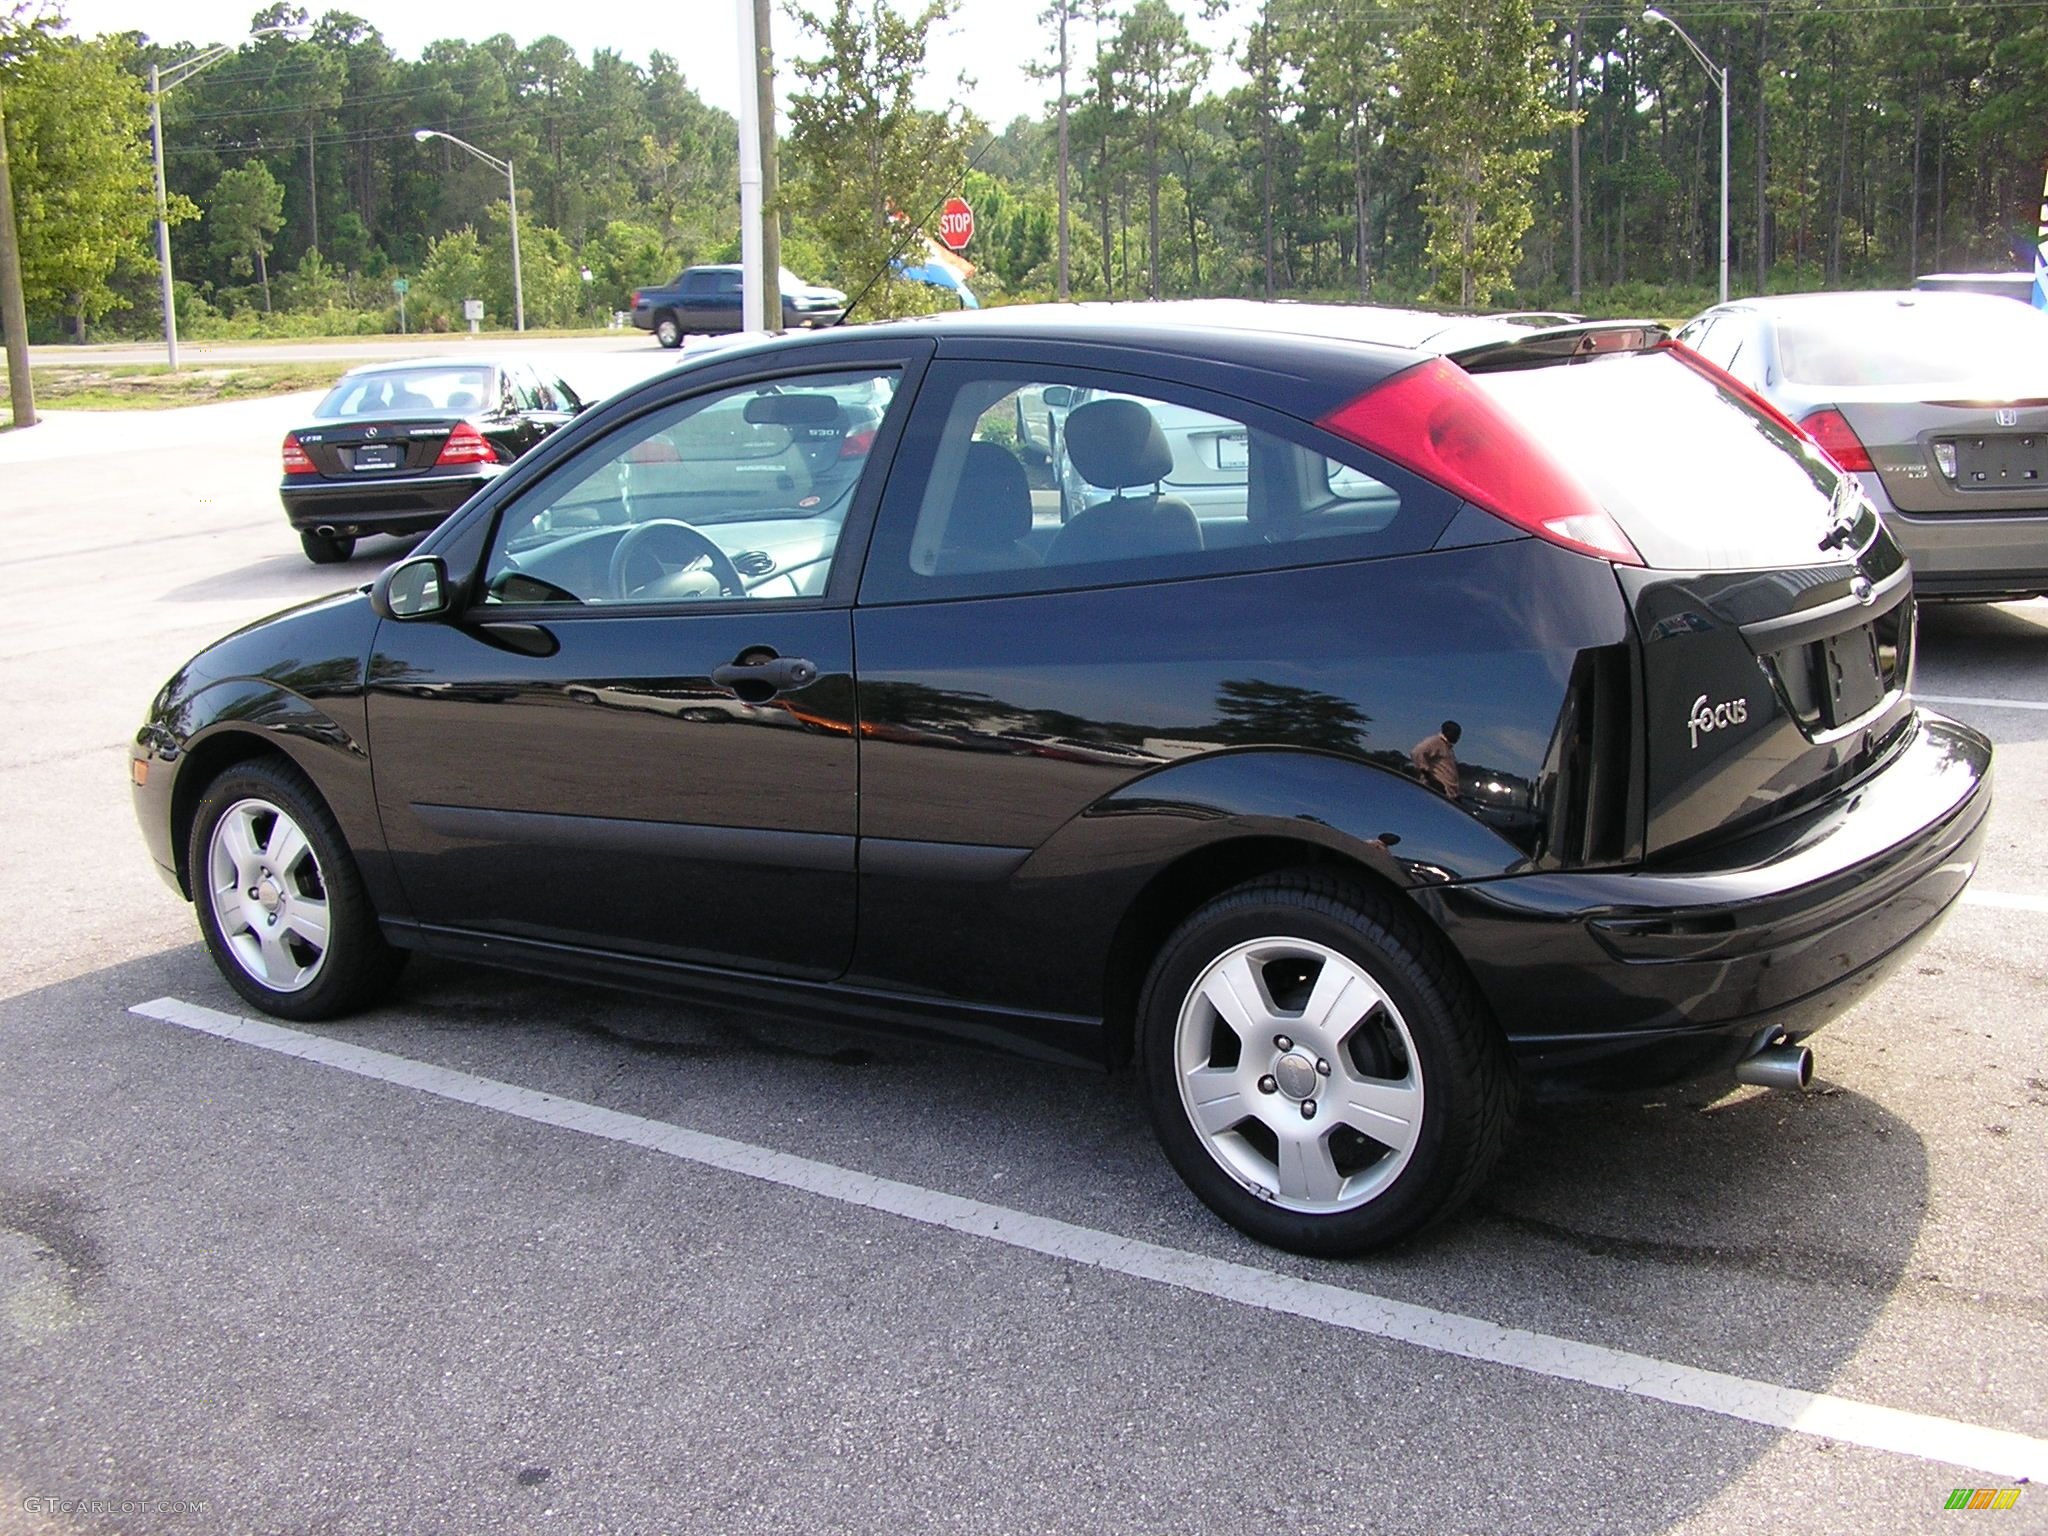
{"x": 644, "y": 542}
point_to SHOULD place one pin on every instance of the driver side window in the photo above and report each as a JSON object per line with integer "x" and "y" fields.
{"x": 737, "y": 493}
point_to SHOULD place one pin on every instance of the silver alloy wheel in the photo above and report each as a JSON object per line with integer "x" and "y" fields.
{"x": 268, "y": 896}
{"x": 1299, "y": 1075}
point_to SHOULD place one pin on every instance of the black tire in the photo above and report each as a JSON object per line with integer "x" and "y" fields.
{"x": 356, "y": 966}
{"x": 1458, "y": 1065}
{"x": 668, "y": 330}
{"x": 326, "y": 549}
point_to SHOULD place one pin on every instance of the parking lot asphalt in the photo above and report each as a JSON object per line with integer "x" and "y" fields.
{"x": 507, "y": 1254}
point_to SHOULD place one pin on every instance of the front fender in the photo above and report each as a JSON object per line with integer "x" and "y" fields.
{"x": 192, "y": 736}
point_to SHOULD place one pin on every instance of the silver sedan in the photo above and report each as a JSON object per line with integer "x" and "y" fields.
{"x": 1937, "y": 401}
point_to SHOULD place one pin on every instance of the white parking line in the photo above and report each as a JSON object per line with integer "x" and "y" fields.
{"x": 1944, "y": 698}
{"x": 2001, "y": 1453}
{"x": 1972, "y": 897}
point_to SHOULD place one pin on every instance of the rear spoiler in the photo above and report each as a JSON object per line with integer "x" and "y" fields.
{"x": 1550, "y": 344}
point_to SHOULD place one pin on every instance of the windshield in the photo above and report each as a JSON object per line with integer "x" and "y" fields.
{"x": 451, "y": 391}
{"x": 1947, "y": 339}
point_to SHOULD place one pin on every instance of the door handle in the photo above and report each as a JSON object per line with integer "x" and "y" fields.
{"x": 756, "y": 682}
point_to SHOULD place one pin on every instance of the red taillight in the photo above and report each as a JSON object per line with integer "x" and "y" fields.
{"x": 1831, "y": 429}
{"x": 1435, "y": 420}
{"x": 466, "y": 445}
{"x": 855, "y": 445}
{"x": 636, "y": 298}
{"x": 295, "y": 460}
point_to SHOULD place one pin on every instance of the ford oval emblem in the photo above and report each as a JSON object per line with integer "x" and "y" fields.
{"x": 1861, "y": 589}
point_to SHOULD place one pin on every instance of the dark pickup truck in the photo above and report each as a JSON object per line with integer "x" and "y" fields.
{"x": 705, "y": 300}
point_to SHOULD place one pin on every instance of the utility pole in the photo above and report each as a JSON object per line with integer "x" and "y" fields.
{"x": 13, "y": 311}
{"x": 753, "y": 302}
{"x": 163, "y": 217}
{"x": 771, "y": 181}
{"x": 159, "y": 82}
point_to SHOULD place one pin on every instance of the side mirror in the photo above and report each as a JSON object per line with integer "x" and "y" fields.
{"x": 412, "y": 589}
{"x": 1058, "y": 396}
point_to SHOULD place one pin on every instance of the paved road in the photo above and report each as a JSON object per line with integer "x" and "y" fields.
{"x": 199, "y": 354}
{"x": 349, "y": 1289}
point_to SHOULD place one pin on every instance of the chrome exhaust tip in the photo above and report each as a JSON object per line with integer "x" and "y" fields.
{"x": 1777, "y": 1066}
{"x": 325, "y": 530}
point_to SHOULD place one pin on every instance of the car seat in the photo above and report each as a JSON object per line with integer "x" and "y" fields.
{"x": 1117, "y": 444}
{"x": 991, "y": 516}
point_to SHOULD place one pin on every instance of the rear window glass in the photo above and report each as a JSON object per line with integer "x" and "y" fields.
{"x": 399, "y": 391}
{"x": 1697, "y": 479}
{"x": 1941, "y": 339}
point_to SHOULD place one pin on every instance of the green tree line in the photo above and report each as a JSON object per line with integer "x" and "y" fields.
{"x": 1463, "y": 152}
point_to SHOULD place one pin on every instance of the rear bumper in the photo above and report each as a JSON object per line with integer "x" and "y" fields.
{"x": 1964, "y": 555}
{"x": 1659, "y": 973}
{"x": 410, "y": 504}
{"x": 1981, "y": 586}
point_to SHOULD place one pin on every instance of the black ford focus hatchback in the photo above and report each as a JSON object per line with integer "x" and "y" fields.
{"x": 1343, "y": 715}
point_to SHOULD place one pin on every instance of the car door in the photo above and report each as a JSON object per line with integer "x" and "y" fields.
{"x": 704, "y": 300}
{"x": 693, "y": 298}
{"x": 636, "y": 732}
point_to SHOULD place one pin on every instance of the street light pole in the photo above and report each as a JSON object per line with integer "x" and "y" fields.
{"x": 159, "y": 82}
{"x": 1718, "y": 73}
{"x": 163, "y": 216}
{"x": 421, "y": 135}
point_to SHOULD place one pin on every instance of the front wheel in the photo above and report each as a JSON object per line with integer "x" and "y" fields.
{"x": 326, "y": 549}
{"x": 668, "y": 332}
{"x": 1318, "y": 1070}
{"x": 279, "y": 901}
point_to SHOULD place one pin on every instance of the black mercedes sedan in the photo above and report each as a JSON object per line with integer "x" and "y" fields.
{"x": 1525, "y": 701}
{"x": 396, "y": 447}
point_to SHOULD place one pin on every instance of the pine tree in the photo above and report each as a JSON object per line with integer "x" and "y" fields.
{"x": 1474, "y": 90}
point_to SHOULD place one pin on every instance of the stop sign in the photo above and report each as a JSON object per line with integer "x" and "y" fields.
{"x": 956, "y": 224}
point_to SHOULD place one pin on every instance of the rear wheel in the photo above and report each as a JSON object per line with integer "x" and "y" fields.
{"x": 667, "y": 331}
{"x": 280, "y": 903}
{"x": 326, "y": 549}
{"x": 1318, "y": 1070}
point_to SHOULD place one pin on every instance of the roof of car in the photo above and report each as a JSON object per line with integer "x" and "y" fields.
{"x": 1188, "y": 325}
{"x": 1863, "y": 300}
{"x": 409, "y": 364}
{"x": 1344, "y": 345}
{"x": 1413, "y": 329}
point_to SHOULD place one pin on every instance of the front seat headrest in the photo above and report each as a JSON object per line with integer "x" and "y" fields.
{"x": 1116, "y": 444}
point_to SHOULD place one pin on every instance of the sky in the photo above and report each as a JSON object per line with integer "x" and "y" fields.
{"x": 989, "y": 40}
